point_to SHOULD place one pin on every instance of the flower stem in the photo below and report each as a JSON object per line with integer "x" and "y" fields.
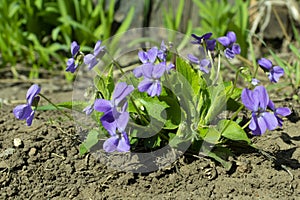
{"x": 57, "y": 108}
{"x": 232, "y": 117}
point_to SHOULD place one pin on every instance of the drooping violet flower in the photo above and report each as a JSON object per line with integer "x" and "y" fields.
{"x": 119, "y": 140}
{"x": 232, "y": 48}
{"x": 151, "y": 83}
{"x": 72, "y": 64}
{"x": 204, "y": 64}
{"x": 147, "y": 58}
{"x": 257, "y": 101}
{"x": 275, "y": 72}
{"x": 210, "y": 44}
{"x": 25, "y": 111}
{"x": 91, "y": 59}
{"x": 162, "y": 52}
{"x": 283, "y": 111}
{"x": 114, "y": 108}
{"x": 88, "y": 110}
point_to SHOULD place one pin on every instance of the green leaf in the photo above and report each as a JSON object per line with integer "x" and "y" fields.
{"x": 173, "y": 111}
{"x": 210, "y": 135}
{"x": 217, "y": 98}
{"x": 155, "y": 108}
{"x": 295, "y": 50}
{"x": 152, "y": 142}
{"x": 220, "y": 154}
{"x": 124, "y": 26}
{"x": 233, "y": 131}
{"x": 184, "y": 68}
{"x": 105, "y": 84}
{"x": 89, "y": 142}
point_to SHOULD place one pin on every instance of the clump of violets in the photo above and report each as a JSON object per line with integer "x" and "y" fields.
{"x": 153, "y": 69}
{"x": 26, "y": 111}
{"x": 258, "y": 102}
{"x": 274, "y": 72}
{"x": 231, "y": 47}
{"x": 115, "y": 118}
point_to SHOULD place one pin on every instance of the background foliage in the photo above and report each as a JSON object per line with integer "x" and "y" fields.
{"x": 38, "y": 33}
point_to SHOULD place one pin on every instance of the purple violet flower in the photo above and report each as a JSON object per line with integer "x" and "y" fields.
{"x": 25, "y": 111}
{"x": 115, "y": 117}
{"x": 283, "y": 111}
{"x": 275, "y": 72}
{"x": 88, "y": 110}
{"x": 204, "y": 64}
{"x": 257, "y": 101}
{"x": 119, "y": 140}
{"x": 147, "y": 58}
{"x": 151, "y": 83}
{"x": 228, "y": 41}
{"x": 210, "y": 44}
{"x": 162, "y": 52}
{"x": 91, "y": 59}
{"x": 114, "y": 108}
{"x": 71, "y": 63}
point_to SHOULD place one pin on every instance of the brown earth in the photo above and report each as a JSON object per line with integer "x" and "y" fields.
{"x": 47, "y": 164}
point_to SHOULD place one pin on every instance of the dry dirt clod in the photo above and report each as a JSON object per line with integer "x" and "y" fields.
{"x": 18, "y": 142}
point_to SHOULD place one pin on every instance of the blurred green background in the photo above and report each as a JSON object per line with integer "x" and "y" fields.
{"x": 35, "y": 35}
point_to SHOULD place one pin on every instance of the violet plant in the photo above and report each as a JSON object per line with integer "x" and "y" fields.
{"x": 181, "y": 99}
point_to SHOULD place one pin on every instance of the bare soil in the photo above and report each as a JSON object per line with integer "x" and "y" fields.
{"x": 47, "y": 164}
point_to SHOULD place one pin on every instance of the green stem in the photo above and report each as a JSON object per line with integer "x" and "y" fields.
{"x": 235, "y": 81}
{"x": 57, "y": 108}
{"x": 253, "y": 58}
{"x": 138, "y": 111}
{"x": 246, "y": 124}
{"x": 116, "y": 63}
{"x": 232, "y": 117}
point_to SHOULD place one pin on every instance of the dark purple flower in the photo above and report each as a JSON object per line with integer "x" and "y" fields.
{"x": 257, "y": 101}
{"x": 72, "y": 64}
{"x": 228, "y": 41}
{"x": 210, "y": 44}
{"x": 204, "y": 64}
{"x": 92, "y": 59}
{"x": 283, "y": 111}
{"x": 275, "y": 72}
{"x": 151, "y": 83}
{"x": 25, "y": 111}
{"x": 74, "y": 48}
